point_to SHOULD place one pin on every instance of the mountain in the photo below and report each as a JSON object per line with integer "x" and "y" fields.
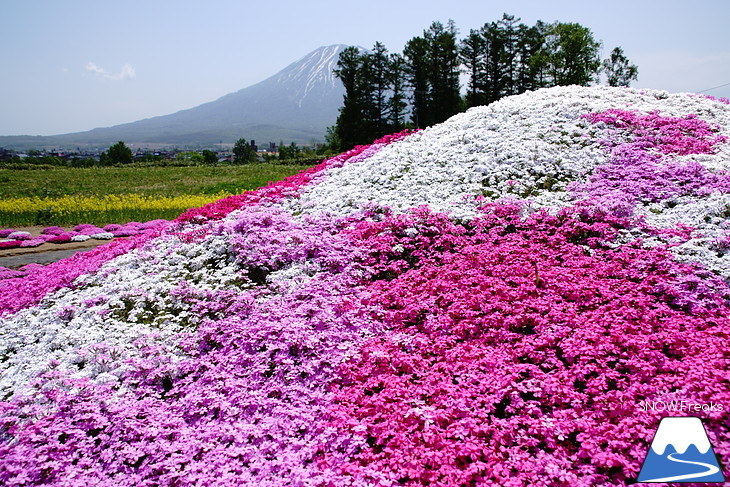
{"x": 296, "y": 104}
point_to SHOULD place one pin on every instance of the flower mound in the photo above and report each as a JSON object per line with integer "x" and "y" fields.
{"x": 485, "y": 302}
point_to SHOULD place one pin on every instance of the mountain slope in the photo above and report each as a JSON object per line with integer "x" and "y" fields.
{"x": 296, "y": 104}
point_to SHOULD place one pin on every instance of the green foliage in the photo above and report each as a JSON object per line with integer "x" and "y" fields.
{"x": 572, "y": 54}
{"x": 291, "y": 152}
{"x": 189, "y": 157}
{"x": 148, "y": 181}
{"x": 374, "y": 102}
{"x": 618, "y": 70}
{"x": 210, "y": 157}
{"x": 151, "y": 159}
{"x": 502, "y": 58}
{"x": 243, "y": 153}
{"x": 33, "y": 162}
{"x": 442, "y": 70}
{"x": 117, "y": 155}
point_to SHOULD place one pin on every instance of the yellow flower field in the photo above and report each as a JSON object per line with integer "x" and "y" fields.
{"x": 71, "y": 210}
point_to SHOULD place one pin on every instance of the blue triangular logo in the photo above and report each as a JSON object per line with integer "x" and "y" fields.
{"x": 681, "y": 452}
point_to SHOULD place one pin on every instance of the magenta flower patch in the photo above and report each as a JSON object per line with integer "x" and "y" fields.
{"x": 494, "y": 300}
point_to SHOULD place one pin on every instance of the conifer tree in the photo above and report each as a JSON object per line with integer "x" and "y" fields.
{"x": 397, "y": 104}
{"x": 618, "y": 69}
{"x": 473, "y": 53}
{"x": 415, "y": 54}
{"x": 350, "y": 127}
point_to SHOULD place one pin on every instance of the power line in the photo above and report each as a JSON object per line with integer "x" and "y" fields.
{"x": 716, "y": 87}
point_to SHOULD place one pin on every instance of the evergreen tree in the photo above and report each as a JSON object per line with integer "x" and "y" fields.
{"x": 502, "y": 58}
{"x": 374, "y": 102}
{"x": 495, "y": 72}
{"x": 530, "y": 41}
{"x": 417, "y": 76}
{"x": 379, "y": 84}
{"x": 210, "y": 157}
{"x": 618, "y": 69}
{"x": 508, "y": 56}
{"x": 432, "y": 72}
{"x": 444, "y": 69}
{"x": 473, "y": 53}
{"x": 350, "y": 127}
{"x": 397, "y": 104}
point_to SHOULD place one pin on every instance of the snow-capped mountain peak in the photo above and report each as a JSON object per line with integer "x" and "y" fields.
{"x": 681, "y": 433}
{"x": 313, "y": 75}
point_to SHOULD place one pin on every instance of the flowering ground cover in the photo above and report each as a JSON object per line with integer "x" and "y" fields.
{"x": 489, "y": 301}
{"x": 10, "y": 238}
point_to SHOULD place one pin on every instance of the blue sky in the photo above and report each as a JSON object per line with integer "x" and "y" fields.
{"x": 75, "y": 65}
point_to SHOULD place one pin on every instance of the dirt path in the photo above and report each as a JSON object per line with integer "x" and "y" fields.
{"x": 44, "y": 253}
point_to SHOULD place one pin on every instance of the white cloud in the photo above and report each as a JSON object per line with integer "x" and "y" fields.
{"x": 127, "y": 72}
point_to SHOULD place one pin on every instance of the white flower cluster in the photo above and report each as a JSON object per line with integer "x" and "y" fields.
{"x": 130, "y": 297}
{"x": 528, "y": 146}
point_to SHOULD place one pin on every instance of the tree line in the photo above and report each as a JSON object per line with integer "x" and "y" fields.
{"x": 387, "y": 92}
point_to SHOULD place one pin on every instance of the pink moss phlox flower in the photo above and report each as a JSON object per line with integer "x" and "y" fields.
{"x": 244, "y": 402}
{"x": 10, "y": 244}
{"x": 638, "y": 172}
{"x": 125, "y": 232}
{"x": 7, "y": 231}
{"x": 85, "y": 226}
{"x": 669, "y": 135}
{"x": 384, "y": 347}
{"x": 64, "y": 237}
{"x": 721, "y": 99}
{"x": 34, "y": 242}
{"x": 87, "y": 229}
{"x": 54, "y": 230}
{"x": 19, "y": 236}
{"x": 409, "y": 350}
{"x": 6, "y": 273}
{"x": 513, "y": 354}
{"x": 154, "y": 224}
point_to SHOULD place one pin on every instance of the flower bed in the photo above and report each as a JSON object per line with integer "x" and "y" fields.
{"x": 485, "y": 302}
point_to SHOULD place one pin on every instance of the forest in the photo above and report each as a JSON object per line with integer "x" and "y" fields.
{"x": 420, "y": 86}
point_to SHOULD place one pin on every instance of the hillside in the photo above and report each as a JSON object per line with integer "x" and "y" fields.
{"x": 296, "y": 104}
{"x": 490, "y": 301}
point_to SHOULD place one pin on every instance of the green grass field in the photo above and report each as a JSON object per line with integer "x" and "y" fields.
{"x": 147, "y": 181}
{"x": 101, "y": 195}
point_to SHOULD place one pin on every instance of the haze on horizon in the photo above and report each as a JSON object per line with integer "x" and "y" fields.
{"x": 80, "y": 64}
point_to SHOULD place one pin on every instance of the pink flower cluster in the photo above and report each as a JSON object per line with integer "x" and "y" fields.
{"x": 669, "y": 135}
{"x": 513, "y": 355}
{"x": 34, "y": 282}
{"x": 638, "y": 171}
{"x": 82, "y": 232}
{"x": 19, "y": 292}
